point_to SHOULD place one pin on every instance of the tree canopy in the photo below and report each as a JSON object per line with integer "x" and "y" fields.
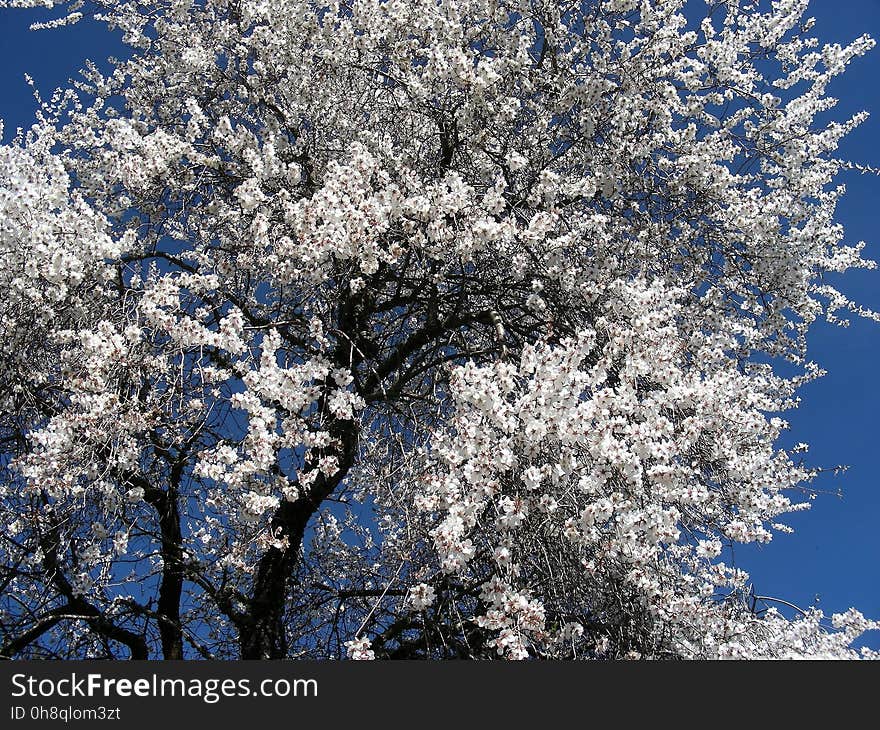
{"x": 417, "y": 329}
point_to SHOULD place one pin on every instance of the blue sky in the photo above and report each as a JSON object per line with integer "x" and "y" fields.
{"x": 835, "y": 552}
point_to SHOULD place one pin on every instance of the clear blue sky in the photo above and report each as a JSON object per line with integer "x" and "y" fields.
{"x": 835, "y": 551}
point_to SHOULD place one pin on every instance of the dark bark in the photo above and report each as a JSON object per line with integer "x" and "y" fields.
{"x": 262, "y": 635}
{"x": 171, "y": 587}
{"x": 45, "y": 623}
{"x": 81, "y": 609}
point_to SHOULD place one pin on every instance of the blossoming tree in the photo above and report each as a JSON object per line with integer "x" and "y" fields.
{"x": 416, "y": 328}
